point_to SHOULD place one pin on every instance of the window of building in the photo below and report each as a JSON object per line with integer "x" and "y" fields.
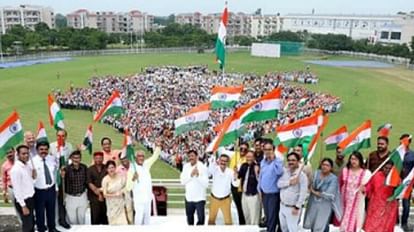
{"x": 384, "y": 34}
{"x": 396, "y": 35}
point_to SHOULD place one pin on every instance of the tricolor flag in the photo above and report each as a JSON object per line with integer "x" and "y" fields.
{"x": 41, "y": 133}
{"x": 288, "y": 105}
{"x": 11, "y": 133}
{"x": 221, "y": 39}
{"x": 195, "y": 119}
{"x": 112, "y": 107}
{"x": 358, "y": 139}
{"x": 310, "y": 150}
{"x": 225, "y": 97}
{"x": 303, "y": 101}
{"x": 264, "y": 108}
{"x": 336, "y": 137}
{"x": 128, "y": 149}
{"x": 88, "y": 140}
{"x": 384, "y": 130}
{"x": 403, "y": 191}
{"x": 397, "y": 157}
{"x": 296, "y": 133}
{"x": 55, "y": 114}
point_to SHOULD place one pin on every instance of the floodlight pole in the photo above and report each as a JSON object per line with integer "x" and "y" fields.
{"x": 1, "y": 48}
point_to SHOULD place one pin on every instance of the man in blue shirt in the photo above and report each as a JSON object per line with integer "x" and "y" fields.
{"x": 271, "y": 169}
{"x": 408, "y": 164}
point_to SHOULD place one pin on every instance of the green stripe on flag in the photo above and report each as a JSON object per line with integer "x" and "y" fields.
{"x": 331, "y": 146}
{"x": 13, "y": 141}
{"x": 190, "y": 126}
{"x": 114, "y": 110}
{"x": 223, "y": 104}
{"x": 256, "y": 116}
{"x": 220, "y": 52}
{"x": 366, "y": 143}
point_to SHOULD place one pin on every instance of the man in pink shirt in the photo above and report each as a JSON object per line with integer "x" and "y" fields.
{"x": 124, "y": 166}
{"x": 5, "y": 173}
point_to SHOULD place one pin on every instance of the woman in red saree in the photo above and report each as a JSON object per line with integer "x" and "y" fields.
{"x": 352, "y": 182}
{"x": 382, "y": 214}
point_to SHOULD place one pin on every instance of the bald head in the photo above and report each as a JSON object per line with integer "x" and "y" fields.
{"x": 29, "y": 138}
{"x": 140, "y": 157}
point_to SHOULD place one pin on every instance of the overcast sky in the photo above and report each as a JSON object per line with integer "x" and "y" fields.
{"x": 166, "y": 7}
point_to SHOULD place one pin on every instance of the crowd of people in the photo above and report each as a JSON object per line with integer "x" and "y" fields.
{"x": 347, "y": 192}
{"x": 156, "y": 97}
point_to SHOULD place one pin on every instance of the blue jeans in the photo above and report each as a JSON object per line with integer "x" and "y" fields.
{"x": 405, "y": 211}
{"x": 191, "y": 207}
{"x": 271, "y": 206}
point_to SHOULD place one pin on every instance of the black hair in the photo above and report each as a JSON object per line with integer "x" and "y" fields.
{"x": 192, "y": 151}
{"x": 360, "y": 158}
{"x": 268, "y": 141}
{"x": 383, "y": 138}
{"x": 258, "y": 140}
{"x": 42, "y": 143}
{"x": 326, "y": 159}
{"x": 244, "y": 143}
{"x": 18, "y": 148}
{"x": 105, "y": 138}
{"x": 226, "y": 156}
{"x": 75, "y": 152}
{"x": 297, "y": 156}
{"x": 110, "y": 162}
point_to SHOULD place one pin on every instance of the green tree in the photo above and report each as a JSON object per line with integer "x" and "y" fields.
{"x": 286, "y": 36}
{"x": 60, "y": 21}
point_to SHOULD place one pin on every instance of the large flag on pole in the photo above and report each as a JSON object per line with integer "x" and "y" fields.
{"x": 55, "y": 113}
{"x": 88, "y": 140}
{"x": 358, "y": 139}
{"x": 264, "y": 108}
{"x": 403, "y": 191}
{"x": 336, "y": 137}
{"x": 397, "y": 157}
{"x": 299, "y": 132}
{"x": 11, "y": 133}
{"x": 41, "y": 133}
{"x": 310, "y": 150}
{"x": 195, "y": 119}
{"x": 221, "y": 39}
{"x": 225, "y": 97}
{"x": 112, "y": 107}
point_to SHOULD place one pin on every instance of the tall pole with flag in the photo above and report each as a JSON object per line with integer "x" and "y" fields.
{"x": 221, "y": 40}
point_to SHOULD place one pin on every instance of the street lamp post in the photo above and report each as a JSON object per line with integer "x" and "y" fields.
{"x": 1, "y": 49}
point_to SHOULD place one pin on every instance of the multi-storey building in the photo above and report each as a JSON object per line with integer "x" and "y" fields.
{"x": 25, "y": 15}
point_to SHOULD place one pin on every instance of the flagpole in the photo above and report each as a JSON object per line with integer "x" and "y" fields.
{"x": 320, "y": 148}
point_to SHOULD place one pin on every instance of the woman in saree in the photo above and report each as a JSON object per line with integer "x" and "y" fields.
{"x": 324, "y": 198}
{"x": 352, "y": 183}
{"x": 113, "y": 187}
{"x": 382, "y": 211}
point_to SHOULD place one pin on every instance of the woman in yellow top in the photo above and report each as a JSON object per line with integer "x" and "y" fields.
{"x": 113, "y": 187}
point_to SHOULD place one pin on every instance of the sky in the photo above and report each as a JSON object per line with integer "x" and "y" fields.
{"x": 166, "y": 7}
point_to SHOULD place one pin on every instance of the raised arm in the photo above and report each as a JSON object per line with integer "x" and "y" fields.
{"x": 153, "y": 158}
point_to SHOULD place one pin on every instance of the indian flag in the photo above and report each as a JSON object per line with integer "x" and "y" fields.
{"x": 195, "y": 119}
{"x": 225, "y": 97}
{"x": 296, "y": 133}
{"x": 88, "y": 140}
{"x": 288, "y": 105}
{"x": 128, "y": 149}
{"x": 384, "y": 130}
{"x": 302, "y": 101}
{"x": 11, "y": 133}
{"x": 336, "y": 137}
{"x": 55, "y": 114}
{"x": 221, "y": 39}
{"x": 112, "y": 107}
{"x": 358, "y": 139}
{"x": 403, "y": 191}
{"x": 397, "y": 157}
{"x": 41, "y": 133}
{"x": 264, "y": 108}
{"x": 310, "y": 150}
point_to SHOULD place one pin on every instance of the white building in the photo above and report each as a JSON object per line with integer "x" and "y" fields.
{"x": 25, "y": 15}
{"x": 397, "y": 28}
{"x": 111, "y": 22}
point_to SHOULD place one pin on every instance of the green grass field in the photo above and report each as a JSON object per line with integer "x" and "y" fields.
{"x": 383, "y": 95}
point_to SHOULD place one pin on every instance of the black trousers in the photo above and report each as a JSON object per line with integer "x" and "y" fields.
{"x": 45, "y": 200}
{"x": 271, "y": 205}
{"x": 27, "y": 220}
{"x": 61, "y": 206}
{"x": 238, "y": 201}
{"x": 98, "y": 212}
{"x": 191, "y": 208}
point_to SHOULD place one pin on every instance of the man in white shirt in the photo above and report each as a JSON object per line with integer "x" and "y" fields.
{"x": 223, "y": 179}
{"x": 195, "y": 178}
{"x": 45, "y": 189}
{"x": 141, "y": 184}
{"x": 22, "y": 176}
{"x": 61, "y": 155}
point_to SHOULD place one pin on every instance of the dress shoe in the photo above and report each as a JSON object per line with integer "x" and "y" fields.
{"x": 64, "y": 225}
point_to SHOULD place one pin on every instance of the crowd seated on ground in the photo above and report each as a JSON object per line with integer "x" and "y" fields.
{"x": 156, "y": 97}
